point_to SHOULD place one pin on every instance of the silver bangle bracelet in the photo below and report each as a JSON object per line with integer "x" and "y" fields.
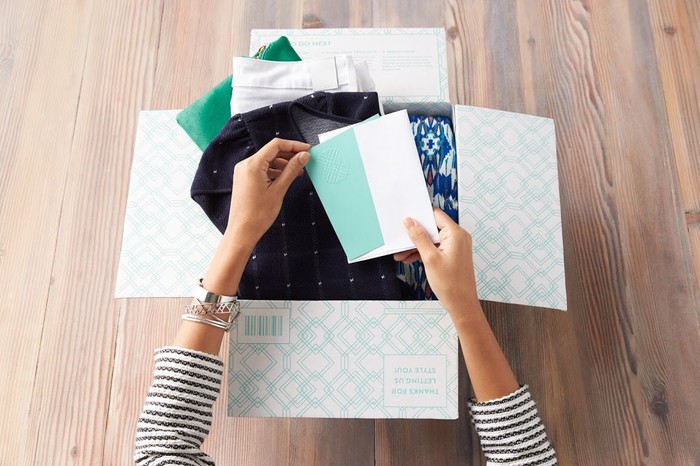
{"x": 194, "y": 313}
{"x": 195, "y": 318}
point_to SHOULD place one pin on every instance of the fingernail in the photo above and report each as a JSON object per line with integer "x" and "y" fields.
{"x": 304, "y": 157}
{"x": 408, "y": 222}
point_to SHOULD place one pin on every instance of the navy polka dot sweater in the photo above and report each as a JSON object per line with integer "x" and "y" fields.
{"x": 300, "y": 256}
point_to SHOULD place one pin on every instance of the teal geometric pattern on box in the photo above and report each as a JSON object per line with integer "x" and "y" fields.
{"x": 382, "y": 49}
{"x": 343, "y": 359}
{"x": 509, "y": 201}
{"x": 168, "y": 241}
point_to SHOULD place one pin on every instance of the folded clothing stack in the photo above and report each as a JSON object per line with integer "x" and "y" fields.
{"x": 300, "y": 257}
{"x": 203, "y": 119}
{"x": 257, "y": 83}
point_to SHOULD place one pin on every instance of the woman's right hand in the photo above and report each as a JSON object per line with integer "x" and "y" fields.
{"x": 448, "y": 266}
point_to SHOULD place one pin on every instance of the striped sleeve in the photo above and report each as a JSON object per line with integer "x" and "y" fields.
{"x": 176, "y": 416}
{"x": 510, "y": 430}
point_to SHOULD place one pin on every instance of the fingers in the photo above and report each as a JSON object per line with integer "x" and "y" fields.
{"x": 420, "y": 238}
{"x": 293, "y": 168}
{"x": 399, "y": 256}
{"x": 411, "y": 259}
{"x": 276, "y": 167}
{"x": 442, "y": 220}
{"x": 280, "y": 148}
{"x": 279, "y": 164}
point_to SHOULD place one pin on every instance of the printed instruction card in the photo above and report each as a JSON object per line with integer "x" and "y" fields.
{"x": 402, "y": 61}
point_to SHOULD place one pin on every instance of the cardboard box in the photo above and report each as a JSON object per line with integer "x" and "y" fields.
{"x": 395, "y": 359}
{"x": 511, "y": 206}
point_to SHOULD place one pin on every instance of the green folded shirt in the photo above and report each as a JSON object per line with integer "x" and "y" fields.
{"x": 203, "y": 119}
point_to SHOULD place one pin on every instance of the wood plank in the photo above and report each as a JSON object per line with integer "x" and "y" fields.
{"x": 330, "y": 14}
{"x": 143, "y": 326}
{"x": 676, "y": 30}
{"x": 405, "y": 14}
{"x": 36, "y": 129}
{"x": 542, "y": 345}
{"x": 467, "y": 62}
{"x": 75, "y": 363}
{"x": 653, "y": 244}
{"x": 676, "y": 39}
{"x": 624, "y": 230}
{"x": 16, "y": 24}
{"x": 557, "y": 67}
{"x": 430, "y": 441}
{"x": 694, "y": 240}
{"x": 331, "y": 441}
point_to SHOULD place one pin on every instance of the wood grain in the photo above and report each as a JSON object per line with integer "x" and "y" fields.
{"x": 676, "y": 31}
{"x": 74, "y": 370}
{"x": 616, "y": 378}
{"x": 36, "y": 132}
{"x": 652, "y": 245}
{"x": 333, "y": 14}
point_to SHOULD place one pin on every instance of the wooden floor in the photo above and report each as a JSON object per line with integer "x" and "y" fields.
{"x": 617, "y": 377}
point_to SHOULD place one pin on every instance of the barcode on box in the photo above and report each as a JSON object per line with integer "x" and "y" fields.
{"x": 263, "y": 326}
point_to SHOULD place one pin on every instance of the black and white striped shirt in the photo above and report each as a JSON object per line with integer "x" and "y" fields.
{"x": 176, "y": 416}
{"x": 510, "y": 431}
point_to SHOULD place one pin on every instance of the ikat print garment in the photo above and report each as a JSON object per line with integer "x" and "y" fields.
{"x": 436, "y": 148}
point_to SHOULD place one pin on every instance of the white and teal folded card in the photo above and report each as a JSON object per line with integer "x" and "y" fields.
{"x": 343, "y": 359}
{"x": 168, "y": 241}
{"x": 369, "y": 178}
{"x": 509, "y": 201}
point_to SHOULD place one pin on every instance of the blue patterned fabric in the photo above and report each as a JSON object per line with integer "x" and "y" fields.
{"x": 436, "y": 147}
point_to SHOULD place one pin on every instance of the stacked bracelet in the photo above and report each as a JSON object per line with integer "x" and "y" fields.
{"x": 212, "y": 305}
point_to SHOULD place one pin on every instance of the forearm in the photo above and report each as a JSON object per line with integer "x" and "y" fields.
{"x": 488, "y": 369}
{"x": 222, "y": 278}
{"x": 503, "y": 413}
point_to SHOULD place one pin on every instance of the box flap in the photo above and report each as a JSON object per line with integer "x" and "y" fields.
{"x": 509, "y": 202}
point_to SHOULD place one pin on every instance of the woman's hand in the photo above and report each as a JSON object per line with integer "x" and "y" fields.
{"x": 450, "y": 271}
{"x": 259, "y": 185}
{"x": 448, "y": 266}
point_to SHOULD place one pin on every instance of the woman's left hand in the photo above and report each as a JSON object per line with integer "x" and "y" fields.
{"x": 259, "y": 185}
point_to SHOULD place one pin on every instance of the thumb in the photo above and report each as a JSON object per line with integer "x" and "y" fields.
{"x": 293, "y": 169}
{"x": 419, "y": 237}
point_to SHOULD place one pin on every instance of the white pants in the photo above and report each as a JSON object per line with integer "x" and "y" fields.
{"x": 257, "y": 83}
